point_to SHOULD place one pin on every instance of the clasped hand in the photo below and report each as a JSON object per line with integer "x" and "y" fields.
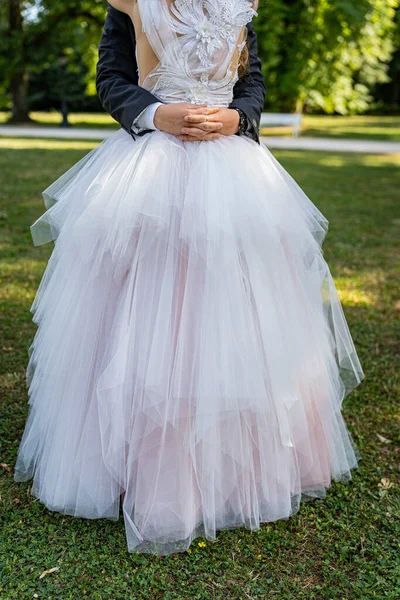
{"x": 196, "y": 122}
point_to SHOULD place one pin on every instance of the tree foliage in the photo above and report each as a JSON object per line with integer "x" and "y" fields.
{"x": 387, "y": 94}
{"x": 35, "y": 33}
{"x": 325, "y": 54}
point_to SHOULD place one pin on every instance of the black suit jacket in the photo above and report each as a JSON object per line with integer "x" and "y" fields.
{"x": 117, "y": 77}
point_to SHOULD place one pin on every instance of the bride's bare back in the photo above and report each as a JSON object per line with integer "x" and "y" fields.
{"x": 189, "y": 50}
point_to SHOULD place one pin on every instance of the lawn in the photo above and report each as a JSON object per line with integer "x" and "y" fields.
{"x": 53, "y": 118}
{"x": 357, "y": 127}
{"x": 344, "y": 547}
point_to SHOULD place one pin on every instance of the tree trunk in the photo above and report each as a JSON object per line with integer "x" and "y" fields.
{"x": 394, "y": 101}
{"x": 19, "y": 93}
{"x": 64, "y": 112}
{"x": 20, "y": 81}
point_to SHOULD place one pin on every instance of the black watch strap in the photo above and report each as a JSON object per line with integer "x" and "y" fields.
{"x": 243, "y": 122}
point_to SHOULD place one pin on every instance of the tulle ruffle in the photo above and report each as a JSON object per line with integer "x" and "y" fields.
{"x": 191, "y": 351}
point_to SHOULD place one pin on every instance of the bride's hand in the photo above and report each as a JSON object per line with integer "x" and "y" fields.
{"x": 227, "y": 118}
{"x": 172, "y": 118}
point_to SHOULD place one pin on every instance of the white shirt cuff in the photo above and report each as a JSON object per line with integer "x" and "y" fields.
{"x": 145, "y": 120}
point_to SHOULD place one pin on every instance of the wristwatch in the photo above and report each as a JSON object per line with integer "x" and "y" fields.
{"x": 243, "y": 122}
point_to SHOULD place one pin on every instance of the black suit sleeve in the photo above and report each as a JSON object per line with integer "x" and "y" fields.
{"x": 249, "y": 91}
{"x": 116, "y": 75}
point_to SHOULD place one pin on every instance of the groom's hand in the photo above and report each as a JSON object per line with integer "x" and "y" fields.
{"x": 173, "y": 118}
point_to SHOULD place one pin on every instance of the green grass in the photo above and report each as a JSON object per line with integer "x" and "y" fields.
{"x": 358, "y": 127}
{"x": 53, "y": 118}
{"x": 344, "y": 547}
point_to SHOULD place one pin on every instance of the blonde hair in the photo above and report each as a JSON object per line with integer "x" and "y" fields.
{"x": 243, "y": 62}
{"x": 244, "y": 55}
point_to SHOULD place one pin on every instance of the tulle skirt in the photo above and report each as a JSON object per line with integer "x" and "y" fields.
{"x": 191, "y": 356}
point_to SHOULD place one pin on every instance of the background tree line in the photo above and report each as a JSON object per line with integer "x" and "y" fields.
{"x": 333, "y": 56}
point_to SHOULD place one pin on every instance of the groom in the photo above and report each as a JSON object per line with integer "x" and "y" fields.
{"x": 138, "y": 111}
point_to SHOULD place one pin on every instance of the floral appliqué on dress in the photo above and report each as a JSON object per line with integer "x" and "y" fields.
{"x": 211, "y": 23}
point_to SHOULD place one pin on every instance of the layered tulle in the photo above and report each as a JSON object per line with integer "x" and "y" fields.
{"x": 191, "y": 354}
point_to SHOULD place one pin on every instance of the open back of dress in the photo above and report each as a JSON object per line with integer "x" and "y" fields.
{"x": 188, "y": 51}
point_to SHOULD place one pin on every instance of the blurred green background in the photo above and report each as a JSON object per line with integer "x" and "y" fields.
{"x": 319, "y": 56}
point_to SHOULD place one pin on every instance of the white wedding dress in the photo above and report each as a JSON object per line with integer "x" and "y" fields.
{"x": 191, "y": 356}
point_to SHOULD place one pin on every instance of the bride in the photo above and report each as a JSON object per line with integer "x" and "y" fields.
{"x": 191, "y": 356}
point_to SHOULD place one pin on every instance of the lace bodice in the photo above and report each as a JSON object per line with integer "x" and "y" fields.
{"x": 196, "y": 46}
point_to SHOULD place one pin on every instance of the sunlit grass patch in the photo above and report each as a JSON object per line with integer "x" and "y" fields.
{"x": 12, "y": 143}
{"x": 360, "y": 126}
{"x": 368, "y": 160}
{"x": 353, "y": 297}
{"x": 361, "y": 288}
{"x": 19, "y": 292}
{"x": 17, "y": 268}
{"x": 332, "y": 161}
{"x": 385, "y": 128}
{"x": 53, "y": 119}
